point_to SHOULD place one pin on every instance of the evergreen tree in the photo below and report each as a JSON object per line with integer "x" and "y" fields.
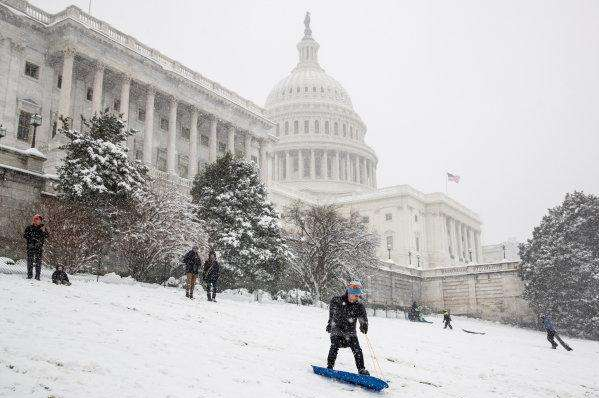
{"x": 96, "y": 162}
{"x": 241, "y": 224}
{"x": 560, "y": 265}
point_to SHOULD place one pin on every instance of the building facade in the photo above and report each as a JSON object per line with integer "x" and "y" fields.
{"x": 72, "y": 65}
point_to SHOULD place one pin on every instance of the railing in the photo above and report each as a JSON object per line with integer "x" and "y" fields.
{"x": 131, "y": 43}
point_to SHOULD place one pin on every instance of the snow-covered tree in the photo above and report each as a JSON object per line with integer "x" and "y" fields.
{"x": 241, "y": 224}
{"x": 560, "y": 265}
{"x": 329, "y": 249}
{"x": 158, "y": 231}
{"x": 96, "y": 162}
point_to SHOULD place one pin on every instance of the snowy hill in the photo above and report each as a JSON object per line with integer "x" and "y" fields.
{"x": 109, "y": 340}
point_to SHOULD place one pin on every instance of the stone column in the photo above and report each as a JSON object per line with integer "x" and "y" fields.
{"x": 247, "y": 146}
{"x": 64, "y": 103}
{"x": 231, "y": 140}
{"x": 213, "y": 154}
{"x": 454, "y": 244}
{"x": 460, "y": 239}
{"x": 171, "y": 141}
{"x": 15, "y": 65}
{"x": 312, "y": 164}
{"x": 148, "y": 125}
{"x": 98, "y": 88}
{"x": 300, "y": 164}
{"x": 124, "y": 111}
{"x": 263, "y": 162}
{"x": 479, "y": 248}
{"x": 358, "y": 169}
{"x": 276, "y": 166}
{"x": 337, "y": 168}
{"x": 347, "y": 167}
{"x": 193, "y": 143}
{"x": 325, "y": 159}
{"x": 288, "y": 165}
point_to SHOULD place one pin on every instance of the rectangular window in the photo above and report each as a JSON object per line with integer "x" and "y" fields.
{"x": 183, "y": 166}
{"x": 344, "y": 129}
{"x": 24, "y": 126}
{"x": 388, "y": 217}
{"x": 161, "y": 159}
{"x": 255, "y": 159}
{"x": 336, "y": 128}
{"x": 317, "y": 127}
{"x": 306, "y": 127}
{"x": 59, "y": 82}
{"x": 141, "y": 114}
{"x": 54, "y": 128}
{"x": 296, "y": 127}
{"x": 116, "y": 105}
{"x": 163, "y": 123}
{"x": 222, "y": 147}
{"x": 90, "y": 94}
{"x": 365, "y": 219}
{"x": 32, "y": 70}
{"x": 326, "y": 127}
{"x": 139, "y": 154}
{"x": 185, "y": 132}
{"x": 204, "y": 140}
{"x": 415, "y": 217}
{"x": 389, "y": 242}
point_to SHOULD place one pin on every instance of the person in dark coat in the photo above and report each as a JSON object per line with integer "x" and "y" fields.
{"x": 552, "y": 333}
{"x": 35, "y": 235}
{"x": 344, "y": 311}
{"x": 192, "y": 262}
{"x": 59, "y": 277}
{"x": 447, "y": 319}
{"x": 210, "y": 275}
{"x": 413, "y": 312}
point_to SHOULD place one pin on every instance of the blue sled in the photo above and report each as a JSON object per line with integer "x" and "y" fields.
{"x": 369, "y": 382}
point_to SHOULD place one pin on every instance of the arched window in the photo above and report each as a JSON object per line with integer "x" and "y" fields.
{"x": 317, "y": 127}
{"x": 286, "y": 128}
{"x": 298, "y": 89}
{"x": 326, "y": 127}
{"x": 295, "y": 127}
{"x": 306, "y": 89}
{"x": 344, "y": 129}
{"x": 314, "y": 89}
{"x": 306, "y": 127}
{"x": 336, "y": 128}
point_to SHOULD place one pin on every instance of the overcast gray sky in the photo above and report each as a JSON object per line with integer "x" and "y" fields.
{"x": 503, "y": 93}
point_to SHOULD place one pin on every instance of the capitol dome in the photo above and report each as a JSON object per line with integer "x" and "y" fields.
{"x": 320, "y": 147}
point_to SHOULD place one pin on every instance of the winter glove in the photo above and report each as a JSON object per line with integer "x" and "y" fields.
{"x": 328, "y": 328}
{"x": 364, "y": 328}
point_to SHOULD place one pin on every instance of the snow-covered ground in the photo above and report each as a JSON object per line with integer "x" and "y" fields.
{"x": 111, "y": 340}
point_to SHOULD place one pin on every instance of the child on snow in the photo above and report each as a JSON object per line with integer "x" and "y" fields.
{"x": 552, "y": 332}
{"x": 59, "y": 277}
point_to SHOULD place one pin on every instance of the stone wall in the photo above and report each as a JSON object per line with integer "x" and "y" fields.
{"x": 22, "y": 186}
{"x": 487, "y": 291}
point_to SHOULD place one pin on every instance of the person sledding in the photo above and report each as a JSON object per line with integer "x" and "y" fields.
{"x": 447, "y": 319}
{"x": 59, "y": 277}
{"x": 552, "y": 333}
{"x": 344, "y": 311}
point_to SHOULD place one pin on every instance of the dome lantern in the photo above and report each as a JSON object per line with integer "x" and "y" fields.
{"x": 308, "y": 47}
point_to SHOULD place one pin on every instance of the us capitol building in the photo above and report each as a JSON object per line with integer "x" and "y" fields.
{"x": 308, "y": 141}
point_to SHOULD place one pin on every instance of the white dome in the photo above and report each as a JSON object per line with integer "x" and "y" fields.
{"x": 308, "y": 83}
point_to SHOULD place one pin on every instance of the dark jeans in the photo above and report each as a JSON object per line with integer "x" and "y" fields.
{"x": 211, "y": 287}
{"x": 447, "y": 323}
{"x": 551, "y": 335}
{"x": 34, "y": 258}
{"x": 344, "y": 342}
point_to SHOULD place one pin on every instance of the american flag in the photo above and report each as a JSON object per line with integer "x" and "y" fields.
{"x": 453, "y": 177}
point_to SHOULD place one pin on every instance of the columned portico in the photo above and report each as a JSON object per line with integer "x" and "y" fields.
{"x": 98, "y": 69}
{"x": 64, "y": 104}
{"x": 193, "y": 143}
{"x": 171, "y": 143}
{"x": 149, "y": 125}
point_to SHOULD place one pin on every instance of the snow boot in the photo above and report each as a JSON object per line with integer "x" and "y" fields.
{"x": 186, "y": 294}
{"x": 363, "y": 372}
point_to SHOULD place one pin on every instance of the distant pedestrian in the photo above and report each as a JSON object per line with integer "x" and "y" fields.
{"x": 552, "y": 333}
{"x": 59, "y": 277}
{"x": 412, "y": 312}
{"x": 192, "y": 263}
{"x": 35, "y": 235}
{"x": 447, "y": 319}
{"x": 211, "y": 274}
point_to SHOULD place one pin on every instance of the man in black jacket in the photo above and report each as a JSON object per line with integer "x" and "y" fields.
{"x": 35, "y": 235}
{"x": 192, "y": 263}
{"x": 344, "y": 311}
{"x": 59, "y": 277}
{"x": 446, "y": 319}
{"x": 210, "y": 274}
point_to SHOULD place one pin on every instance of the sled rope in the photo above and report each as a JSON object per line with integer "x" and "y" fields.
{"x": 375, "y": 361}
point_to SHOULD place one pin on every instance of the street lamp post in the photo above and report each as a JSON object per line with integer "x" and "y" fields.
{"x": 503, "y": 247}
{"x": 470, "y": 252}
{"x": 409, "y": 257}
{"x": 36, "y": 121}
{"x": 418, "y": 258}
{"x": 389, "y": 250}
{"x": 2, "y": 131}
